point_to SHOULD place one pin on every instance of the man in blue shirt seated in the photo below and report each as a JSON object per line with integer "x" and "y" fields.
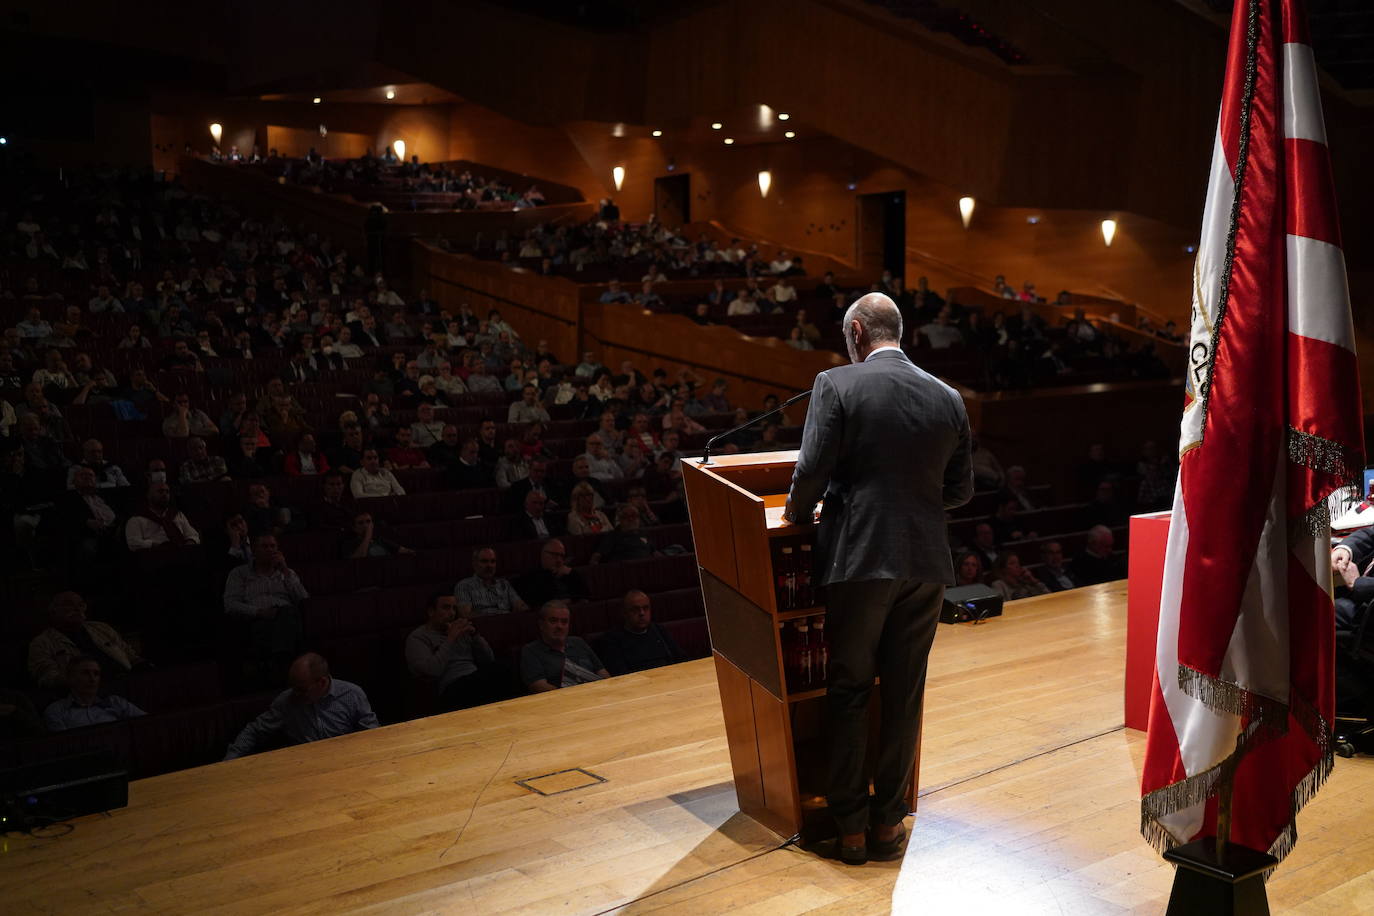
{"x": 638, "y": 644}
{"x": 556, "y": 659}
{"x": 315, "y": 707}
{"x": 84, "y": 705}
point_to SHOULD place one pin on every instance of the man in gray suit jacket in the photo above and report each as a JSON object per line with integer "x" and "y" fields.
{"x": 888, "y": 447}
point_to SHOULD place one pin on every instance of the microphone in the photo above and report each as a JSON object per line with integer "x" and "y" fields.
{"x": 706, "y": 455}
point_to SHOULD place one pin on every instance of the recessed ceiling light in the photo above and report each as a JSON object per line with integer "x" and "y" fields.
{"x": 729, "y": 140}
{"x": 783, "y": 116}
{"x": 317, "y": 100}
{"x": 790, "y": 134}
{"x": 658, "y": 133}
{"x": 716, "y": 125}
{"x": 391, "y": 93}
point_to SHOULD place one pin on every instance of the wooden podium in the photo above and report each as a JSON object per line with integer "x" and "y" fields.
{"x": 776, "y": 731}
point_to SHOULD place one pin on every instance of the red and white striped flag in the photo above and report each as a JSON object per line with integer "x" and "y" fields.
{"x": 1244, "y": 687}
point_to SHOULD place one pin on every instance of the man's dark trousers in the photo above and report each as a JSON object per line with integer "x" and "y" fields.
{"x": 877, "y": 628}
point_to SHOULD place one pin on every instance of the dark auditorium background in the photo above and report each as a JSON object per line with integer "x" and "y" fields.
{"x": 871, "y": 118}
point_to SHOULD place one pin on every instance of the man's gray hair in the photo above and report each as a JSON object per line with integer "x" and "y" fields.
{"x": 878, "y": 315}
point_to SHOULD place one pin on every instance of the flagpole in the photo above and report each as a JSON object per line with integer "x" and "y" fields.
{"x": 1225, "y": 787}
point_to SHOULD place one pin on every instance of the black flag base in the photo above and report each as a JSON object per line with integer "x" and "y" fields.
{"x": 1208, "y": 885}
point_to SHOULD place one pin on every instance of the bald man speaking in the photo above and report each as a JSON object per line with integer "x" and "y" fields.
{"x": 888, "y": 447}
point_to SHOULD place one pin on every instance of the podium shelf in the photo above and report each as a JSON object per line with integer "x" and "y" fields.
{"x": 795, "y": 613}
{"x": 806, "y": 695}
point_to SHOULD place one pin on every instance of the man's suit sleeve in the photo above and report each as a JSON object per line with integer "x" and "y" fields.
{"x": 1361, "y": 546}
{"x": 958, "y": 487}
{"x": 820, "y": 449}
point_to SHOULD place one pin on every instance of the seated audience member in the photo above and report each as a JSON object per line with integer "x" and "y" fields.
{"x": 249, "y": 460}
{"x": 1157, "y": 475}
{"x": 512, "y": 466}
{"x": 969, "y": 569}
{"x": 535, "y": 522}
{"x": 158, "y": 523}
{"x": 987, "y": 470}
{"x": 238, "y": 547}
{"x": 364, "y": 542}
{"x": 335, "y": 508}
{"x": 1012, "y": 580}
{"x": 639, "y": 643}
{"x": 484, "y": 593}
{"x": 185, "y": 420}
{"x": 1006, "y": 522}
{"x": 537, "y": 481}
{"x": 633, "y": 462}
{"x": 556, "y": 659}
{"x": 603, "y": 465}
{"x": 638, "y": 497}
{"x": 626, "y": 541}
{"x": 1097, "y": 564}
{"x": 554, "y": 578}
{"x": 941, "y": 332}
{"x": 445, "y": 452}
{"x": 348, "y": 457}
{"x": 404, "y": 454}
{"x": 70, "y": 636}
{"x": 1016, "y": 487}
{"x": 107, "y": 474}
{"x": 1055, "y": 573}
{"x": 268, "y": 594}
{"x": 315, "y": 707}
{"x": 306, "y": 460}
{"x": 1350, "y": 564}
{"x": 527, "y": 409}
{"x": 426, "y": 431}
{"x": 584, "y": 517}
{"x": 84, "y": 705}
{"x": 200, "y": 466}
{"x": 1105, "y": 508}
{"x": 88, "y": 521}
{"x": 479, "y": 380}
{"x": 449, "y": 653}
{"x": 469, "y": 472}
{"x": 611, "y": 438}
{"x": 984, "y": 544}
{"x": 372, "y": 481}
{"x": 262, "y": 516}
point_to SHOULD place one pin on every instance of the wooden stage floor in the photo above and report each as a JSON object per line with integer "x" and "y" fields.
{"x": 1028, "y": 805}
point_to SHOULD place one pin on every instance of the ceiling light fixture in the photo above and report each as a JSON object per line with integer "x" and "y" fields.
{"x": 729, "y": 141}
{"x": 966, "y": 205}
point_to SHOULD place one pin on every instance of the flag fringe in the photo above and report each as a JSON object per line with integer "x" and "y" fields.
{"x": 1323, "y": 455}
{"x": 1261, "y": 715}
{"x": 1226, "y": 697}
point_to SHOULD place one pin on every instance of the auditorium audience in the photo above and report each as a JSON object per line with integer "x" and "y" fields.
{"x": 269, "y": 304}
{"x": 315, "y": 707}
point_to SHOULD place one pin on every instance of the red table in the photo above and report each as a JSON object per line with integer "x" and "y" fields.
{"x": 1149, "y": 536}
